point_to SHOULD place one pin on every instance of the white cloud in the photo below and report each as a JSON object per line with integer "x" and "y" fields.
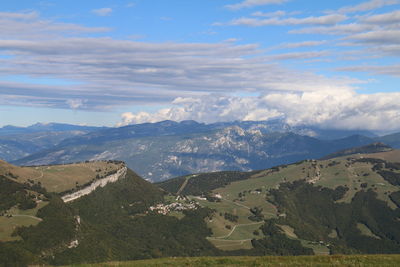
{"x": 209, "y": 108}
{"x": 339, "y": 29}
{"x": 75, "y": 103}
{"x": 386, "y": 18}
{"x": 29, "y": 25}
{"x": 113, "y": 72}
{"x": 392, "y": 70}
{"x": 329, "y": 109}
{"x": 253, "y": 3}
{"x": 279, "y": 13}
{"x": 367, "y": 6}
{"x": 300, "y": 55}
{"x": 377, "y": 37}
{"x": 23, "y": 16}
{"x": 106, "y": 11}
{"x": 321, "y": 20}
{"x": 303, "y": 44}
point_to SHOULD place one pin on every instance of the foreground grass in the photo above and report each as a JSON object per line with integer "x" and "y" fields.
{"x": 335, "y": 260}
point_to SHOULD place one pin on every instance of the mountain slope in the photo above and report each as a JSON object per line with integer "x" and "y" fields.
{"x": 347, "y": 204}
{"x": 392, "y": 140}
{"x": 111, "y": 223}
{"x": 371, "y": 148}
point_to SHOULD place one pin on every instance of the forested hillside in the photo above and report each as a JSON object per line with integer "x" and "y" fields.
{"x": 344, "y": 205}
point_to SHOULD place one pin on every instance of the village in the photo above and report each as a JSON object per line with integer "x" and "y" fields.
{"x": 181, "y": 204}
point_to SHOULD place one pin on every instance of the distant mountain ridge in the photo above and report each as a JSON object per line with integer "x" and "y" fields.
{"x": 158, "y": 151}
{"x": 19, "y": 142}
{"x": 371, "y": 148}
{"x": 46, "y": 127}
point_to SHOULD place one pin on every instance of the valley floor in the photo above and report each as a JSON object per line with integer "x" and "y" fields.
{"x": 335, "y": 260}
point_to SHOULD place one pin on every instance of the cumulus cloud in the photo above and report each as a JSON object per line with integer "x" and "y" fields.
{"x": 329, "y": 109}
{"x": 253, "y": 3}
{"x": 210, "y": 108}
{"x": 106, "y": 11}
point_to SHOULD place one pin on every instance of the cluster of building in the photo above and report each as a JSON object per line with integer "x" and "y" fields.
{"x": 175, "y": 206}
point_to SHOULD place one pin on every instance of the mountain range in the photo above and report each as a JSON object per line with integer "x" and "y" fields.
{"x": 19, "y": 142}
{"x": 158, "y": 151}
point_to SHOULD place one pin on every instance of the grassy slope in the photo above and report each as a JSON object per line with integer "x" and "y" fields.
{"x": 56, "y": 178}
{"x": 108, "y": 212}
{"x": 391, "y": 156}
{"x": 337, "y": 260}
{"x": 327, "y": 173}
{"x": 19, "y": 205}
{"x": 19, "y": 218}
{"x": 59, "y": 178}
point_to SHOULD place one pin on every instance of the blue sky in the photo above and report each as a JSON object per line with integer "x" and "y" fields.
{"x": 328, "y": 63}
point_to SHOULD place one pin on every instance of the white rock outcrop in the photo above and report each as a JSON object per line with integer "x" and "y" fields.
{"x": 97, "y": 183}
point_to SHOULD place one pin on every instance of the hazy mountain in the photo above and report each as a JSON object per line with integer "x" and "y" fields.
{"x": 46, "y": 127}
{"x": 371, "y": 148}
{"x": 19, "y": 142}
{"x": 392, "y": 140}
{"x": 158, "y": 151}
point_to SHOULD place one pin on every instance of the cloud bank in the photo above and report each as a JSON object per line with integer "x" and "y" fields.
{"x": 329, "y": 109}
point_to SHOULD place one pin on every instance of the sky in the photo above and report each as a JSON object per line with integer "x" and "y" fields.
{"x": 333, "y": 64}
